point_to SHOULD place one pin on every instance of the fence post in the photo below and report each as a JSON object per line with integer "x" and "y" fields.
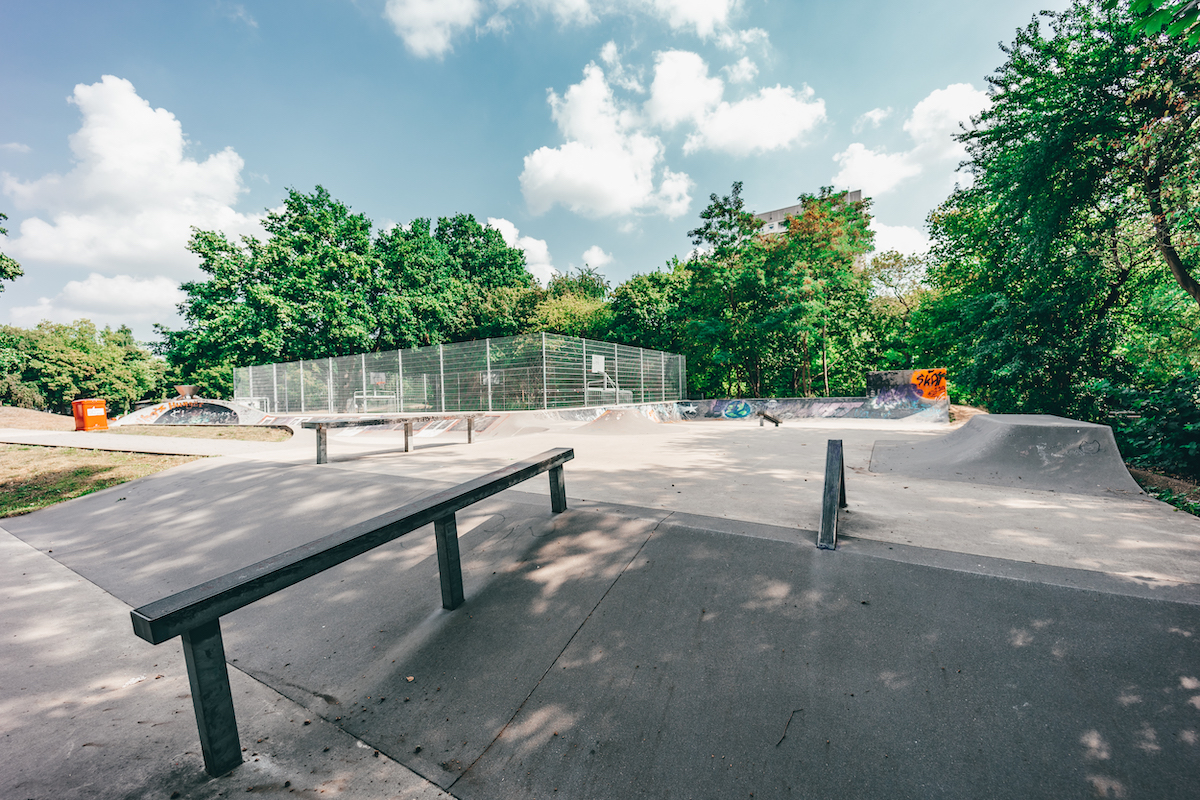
{"x": 302, "y": 386}
{"x": 330, "y": 392}
{"x": 400, "y": 380}
{"x": 204, "y": 654}
{"x": 487, "y": 343}
{"x": 662, "y": 381}
{"x": 442, "y": 379}
{"x": 642, "y": 374}
{"x": 545, "y": 390}
{"x": 274, "y": 389}
{"x": 250, "y": 380}
{"x": 363, "y": 361}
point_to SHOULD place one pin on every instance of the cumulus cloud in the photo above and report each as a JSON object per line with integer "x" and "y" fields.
{"x": 130, "y": 201}
{"x": 872, "y": 118}
{"x": 772, "y": 119}
{"x": 932, "y": 126}
{"x": 607, "y": 166}
{"x": 596, "y": 258}
{"x": 682, "y": 91}
{"x": 537, "y": 253}
{"x": 902, "y": 238}
{"x": 743, "y": 71}
{"x": 427, "y": 26}
{"x": 114, "y": 301}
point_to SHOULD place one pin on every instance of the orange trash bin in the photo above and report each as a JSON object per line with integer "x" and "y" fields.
{"x": 90, "y": 415}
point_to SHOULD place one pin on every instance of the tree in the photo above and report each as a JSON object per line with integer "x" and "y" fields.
{"x": 51, "y": 365}
{"x": 1093, "y": 121}
{"x": 9, "y": 269}
{"x": 1049, "y": 269}
{"x": 1170, "y": 17}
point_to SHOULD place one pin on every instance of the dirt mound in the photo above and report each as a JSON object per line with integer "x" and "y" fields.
{"x": 30, "y": 420}
{"x": 1031, "y": 451}
{"x": 620, "y": 421}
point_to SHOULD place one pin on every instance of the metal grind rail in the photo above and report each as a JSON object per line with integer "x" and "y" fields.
{"x": 834, "y": 496}
{"x": 195, "y": 614}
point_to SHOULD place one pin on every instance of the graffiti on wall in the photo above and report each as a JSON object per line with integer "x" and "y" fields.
{"x": 890, "y": 395}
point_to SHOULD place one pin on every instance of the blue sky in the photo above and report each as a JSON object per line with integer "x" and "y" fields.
{"x": 586, "y": 130}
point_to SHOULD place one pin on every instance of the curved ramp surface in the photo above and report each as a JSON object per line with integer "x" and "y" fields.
{"x": 1032, "y": 451}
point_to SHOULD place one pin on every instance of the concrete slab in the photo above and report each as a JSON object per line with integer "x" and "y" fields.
{"x": 753, "y": 641}
{"x": 89, "y": 711}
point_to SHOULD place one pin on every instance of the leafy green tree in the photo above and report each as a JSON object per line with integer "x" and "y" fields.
{"x": 1048, "y": 272}
{"x": 1170, "y": 17}
{"x": 647, "y": 309}
{"x": 9, "y": 268}
{"x": 53, "y": 364}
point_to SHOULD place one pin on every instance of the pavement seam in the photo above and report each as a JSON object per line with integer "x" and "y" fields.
{"x": 555, "y": 660}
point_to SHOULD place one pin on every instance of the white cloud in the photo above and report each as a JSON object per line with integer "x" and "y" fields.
{"x": 704, "y": 17}
{"x": 119, "y": 300}
{"x": 596, "y": 258}
{"x": 743, "y": 71}
{"x": 130, "y": 201}
{"x": 932, "y": 126}
{"x": 872, "y": 118}
{"x": 427, "y": 26}
{"x": 740, "y": 41}
{"x": 16, "y": 147}
{"x": 619, "y": 74}
{"x": 874, "y": 171}
{"x": 682, "y": 91}
{"x": 902, "y": 238}
{"x": 774, "y": 118}
{"x": 607, "y": 166}
{"x": 238, "y": 13}
{"x": 537, "y": 253}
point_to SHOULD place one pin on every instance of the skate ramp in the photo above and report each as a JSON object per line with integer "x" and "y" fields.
{"x": 1030, "y": 451}
{"x": 621, "y": 421}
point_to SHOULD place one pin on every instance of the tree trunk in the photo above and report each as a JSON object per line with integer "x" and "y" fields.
{"x": 1162, "y": 235}
{"x": 824, "y": 358}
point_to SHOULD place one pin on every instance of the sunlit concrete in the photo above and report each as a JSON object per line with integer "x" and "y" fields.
{"x": 674, "y": 633}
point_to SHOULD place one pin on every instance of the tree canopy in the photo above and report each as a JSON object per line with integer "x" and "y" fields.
{"x": 9, "y": 268}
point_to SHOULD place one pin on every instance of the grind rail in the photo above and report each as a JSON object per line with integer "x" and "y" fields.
{"x": 195, "y": 614}
{"x": 834, "y": 495}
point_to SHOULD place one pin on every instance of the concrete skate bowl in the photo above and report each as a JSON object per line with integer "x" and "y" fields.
{"x": 1029, "y": 451}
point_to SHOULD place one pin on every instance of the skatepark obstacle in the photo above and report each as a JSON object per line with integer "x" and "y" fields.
{"x": 834, "y": 496}
{"x": 195, "y": 614}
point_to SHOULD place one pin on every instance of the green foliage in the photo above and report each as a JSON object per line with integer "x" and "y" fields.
{"x": 9, "y": 268}
{"x": 781, "y": 314}
{"x": 320, "y": 285}
{"x": 1158, "y": 427}
{"x": 1070, "y": 258}
{"x": 49, "y": 366}
{"x": 586, "y": 282}
{"x": 646, "y": 309}
{"x": 1171, "y": 17}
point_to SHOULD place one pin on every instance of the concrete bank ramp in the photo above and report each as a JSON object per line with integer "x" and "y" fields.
{"x": 1030, "y": 451}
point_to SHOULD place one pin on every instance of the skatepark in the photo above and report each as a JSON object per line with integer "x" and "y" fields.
{"x": 1005, "y": 615}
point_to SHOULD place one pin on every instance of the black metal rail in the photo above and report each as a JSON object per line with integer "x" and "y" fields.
{"x": 322, "y": 426}
{"x": 834, "y": 496}
{"x": 195, "y": 614}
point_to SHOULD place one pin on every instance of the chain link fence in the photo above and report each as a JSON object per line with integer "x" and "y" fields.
{"x": 510, "y": 374}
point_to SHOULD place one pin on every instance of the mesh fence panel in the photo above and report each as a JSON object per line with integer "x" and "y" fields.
{"x": 514, "y": 373}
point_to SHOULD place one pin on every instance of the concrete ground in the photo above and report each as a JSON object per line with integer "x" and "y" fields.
{"x": 674, "y": 634}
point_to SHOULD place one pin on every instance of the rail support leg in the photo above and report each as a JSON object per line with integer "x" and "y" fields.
{"x": 407, "y": 433}
{"x": 322, "y": 445}
{"x": 470, "y": 429}
{"x": 204, "y": 653}
{"x": 445, "y": 530}
{"x": 558, "y": 490}
{"x": 834, "y": 496}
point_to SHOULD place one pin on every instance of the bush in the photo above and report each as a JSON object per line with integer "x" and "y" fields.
{"x": 1158, "y": 427}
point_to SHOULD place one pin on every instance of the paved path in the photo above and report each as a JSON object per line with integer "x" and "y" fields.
{"x": 650, "y": 649}
{"x": 139, "y": 443}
